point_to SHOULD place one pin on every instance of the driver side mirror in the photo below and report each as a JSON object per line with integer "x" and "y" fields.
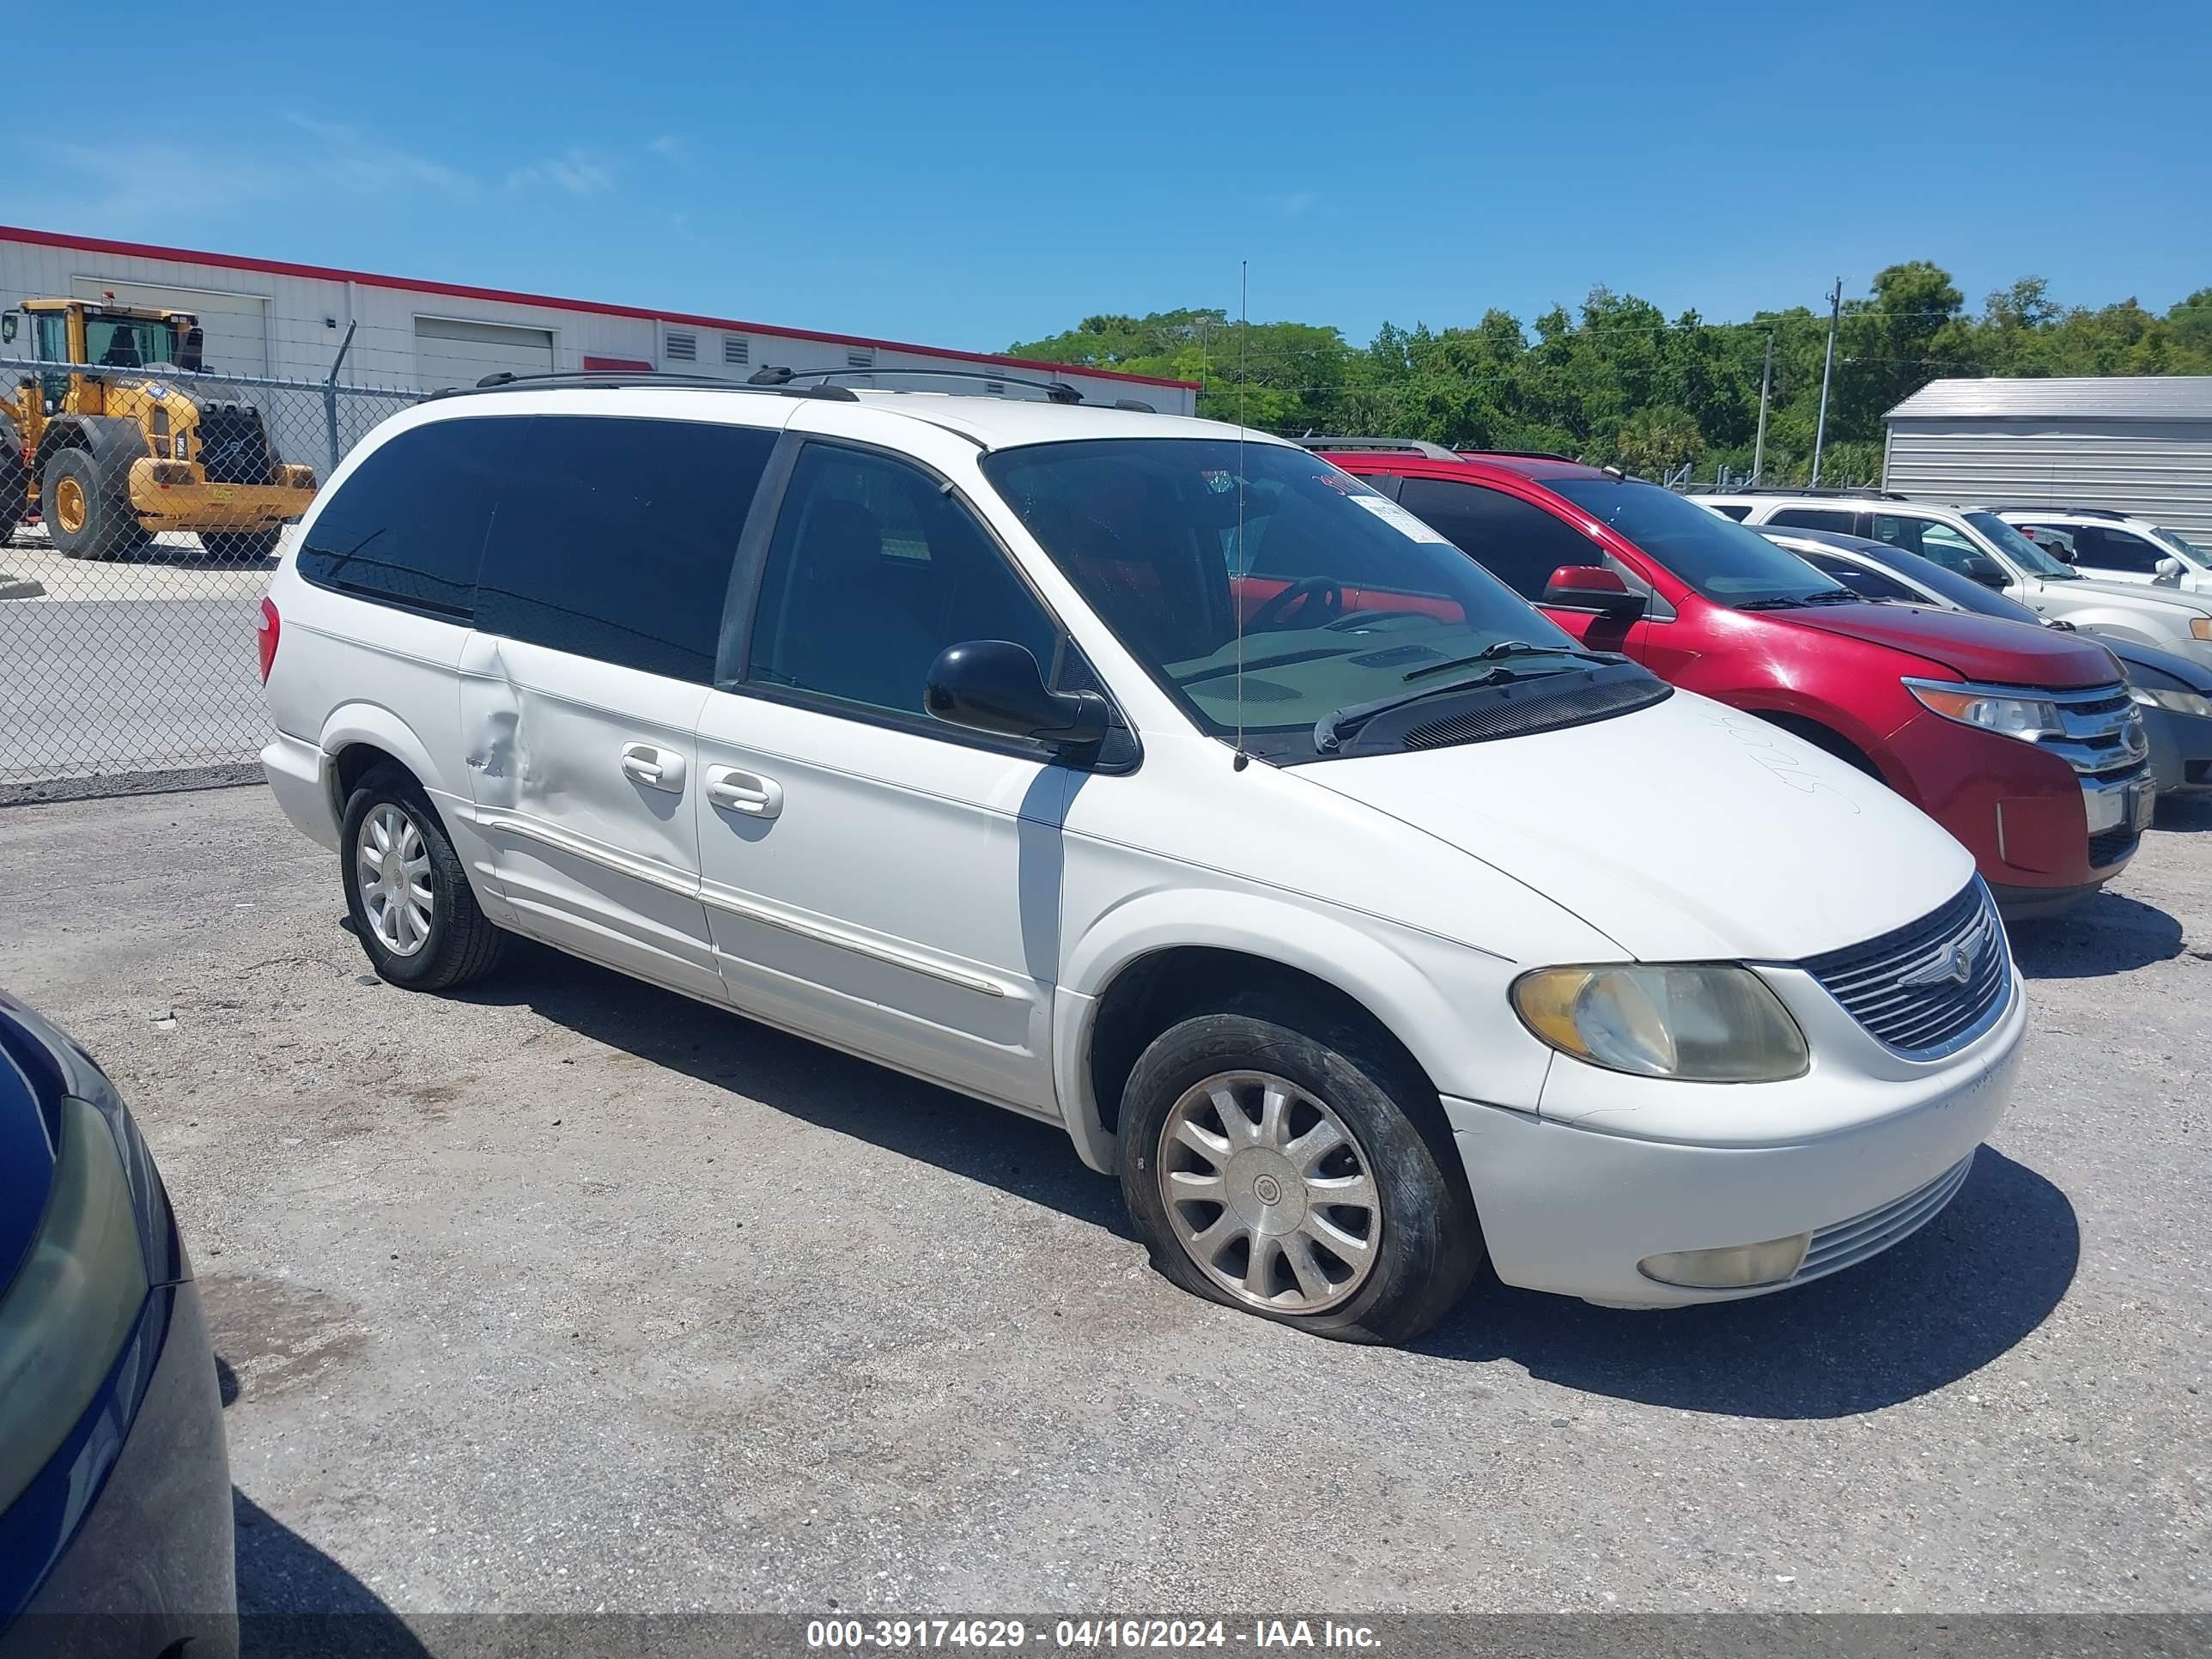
{"x": 995, "y": 686}
{"x": 1593, "y": 588}
{"x": 1987, "y": 571}
{"x": 2167, "y": 570}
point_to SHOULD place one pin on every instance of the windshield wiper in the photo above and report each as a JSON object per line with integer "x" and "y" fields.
{"x": 1778, "y": 602}
{"x": 1507, "y": 648}
{"x": 1333, "y": 729}
{"x": 1844, "y": 596}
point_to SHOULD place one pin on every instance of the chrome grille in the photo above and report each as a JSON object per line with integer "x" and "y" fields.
{"x": 1925, "y": 988}
{"x": 2104, "y": 729}
{"x": 1846, "y": 1242}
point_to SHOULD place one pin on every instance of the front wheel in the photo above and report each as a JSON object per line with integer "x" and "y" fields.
{"x": 412, "y": 908}
{"x": 85, "y": 515}
{"x": 1291, "y": 1175}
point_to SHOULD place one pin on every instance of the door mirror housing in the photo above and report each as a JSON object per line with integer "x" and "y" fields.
{"x": 995, "y": 686}
{"x": 1593, "y": 588}
{"x": 1988, "y": 572}
{"x": 2167, "y": 570}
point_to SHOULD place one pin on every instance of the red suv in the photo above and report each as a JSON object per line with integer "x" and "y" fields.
{"x": 2021, "y": 742}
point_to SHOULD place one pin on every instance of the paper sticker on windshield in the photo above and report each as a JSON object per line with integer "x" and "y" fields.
{"x": 1396, "y": 516}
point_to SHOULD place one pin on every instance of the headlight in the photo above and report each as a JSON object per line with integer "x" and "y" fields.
{"x": 2027, "y": 718}
{"x": 1697, "y": 1024}
{"x": 74, "y": 1299}
{"x": 2181, "y": 703}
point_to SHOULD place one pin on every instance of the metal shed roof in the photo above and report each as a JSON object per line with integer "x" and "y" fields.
{"x": 2084, "y": 398}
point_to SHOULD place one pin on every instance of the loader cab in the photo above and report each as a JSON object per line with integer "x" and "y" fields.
{"x": 103, "y": 336}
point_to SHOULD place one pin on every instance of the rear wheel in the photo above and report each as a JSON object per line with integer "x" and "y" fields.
{"x": 239, "y": 546}
{"x": 412, "y": 908}
{"x": 87, "y": 516}
{"x": 1301, "y": 1177}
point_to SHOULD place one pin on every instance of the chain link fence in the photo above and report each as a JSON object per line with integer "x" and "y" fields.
{"x": 145, "y": 507}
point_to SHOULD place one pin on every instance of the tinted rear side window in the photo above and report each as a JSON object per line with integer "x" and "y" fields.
{"x": 1813, "y": 518}
{"x": 615, "y": 536}
{"x": 408, "y": 527}
{"x": 1519, "y": 545}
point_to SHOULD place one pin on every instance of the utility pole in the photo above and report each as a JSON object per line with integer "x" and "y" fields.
{"x": 1766, "y": 391}
{"x": 1827, "y": 370}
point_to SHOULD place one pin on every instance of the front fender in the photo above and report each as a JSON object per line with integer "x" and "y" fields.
{"x": 1445, "y": 1001}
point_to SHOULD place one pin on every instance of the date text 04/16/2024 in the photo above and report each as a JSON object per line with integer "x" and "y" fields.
{"x": 1087, "y": 1634}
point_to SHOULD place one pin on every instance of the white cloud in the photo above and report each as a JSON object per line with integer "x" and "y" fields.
{"x": 352, "y": 160}
{"x": 672, "y": 147}
{"x": 576, "y": 170}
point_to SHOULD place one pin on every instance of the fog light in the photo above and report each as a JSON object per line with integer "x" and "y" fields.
{"x": 1737, "y": 1267}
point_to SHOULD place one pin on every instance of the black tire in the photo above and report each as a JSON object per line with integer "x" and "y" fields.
{"x": 461, "y": 944}
{"x": 239, "y": 546}
{"x": 102, "y": 525}
{"x": 15, "y": 480}
{"x": 1430, "y": 1241}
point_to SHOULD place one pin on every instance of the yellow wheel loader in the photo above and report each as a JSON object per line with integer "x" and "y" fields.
{"x": 109, "y": 452}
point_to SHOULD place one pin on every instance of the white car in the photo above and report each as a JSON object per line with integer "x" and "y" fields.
{"x": 1161, "y": 780}
{"x": 2114, "y": 547}
{"x": 1980, "y": 544}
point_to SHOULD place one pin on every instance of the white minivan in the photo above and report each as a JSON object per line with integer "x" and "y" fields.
{"x": 1159, "y": 780}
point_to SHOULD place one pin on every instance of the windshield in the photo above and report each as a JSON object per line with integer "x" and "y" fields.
{"x": 2020, "y": 550}
{"x": 128, "y": 342}
{"x": 1726, "y": 562}
{"x": 1333, "y": 596}
{"x": 2183, "y": 546}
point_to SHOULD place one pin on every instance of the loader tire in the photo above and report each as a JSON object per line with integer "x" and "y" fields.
{"x": 87, "y": 515}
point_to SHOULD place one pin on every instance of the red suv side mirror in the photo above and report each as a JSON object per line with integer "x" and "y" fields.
{"x": 1593, "y": 588}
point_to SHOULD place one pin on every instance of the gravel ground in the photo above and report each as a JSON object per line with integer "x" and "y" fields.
{"x": 571, "y": 1294}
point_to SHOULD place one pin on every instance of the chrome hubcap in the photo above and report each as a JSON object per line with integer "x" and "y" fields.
{"x": 395, "y": 879}
{"x": 1269, "y": 1192}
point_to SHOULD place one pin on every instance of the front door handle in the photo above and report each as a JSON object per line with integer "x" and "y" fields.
{"x": 743, "y": 791}
{"x": 653, "y": 767}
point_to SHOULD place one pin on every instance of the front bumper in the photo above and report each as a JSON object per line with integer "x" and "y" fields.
{"x": 2180, "y": 750}
{"x": 172, "y": 496}
{"x": 123, "y": 1545}
{"x": 2025, "y": 815}
{"x": 1572, "y": 1198}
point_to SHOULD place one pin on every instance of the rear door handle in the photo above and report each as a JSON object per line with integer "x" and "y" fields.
{"x": 653, "y": 767}
{"x": 749, "y": 793}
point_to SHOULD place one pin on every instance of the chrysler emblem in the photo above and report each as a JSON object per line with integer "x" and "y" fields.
{"x": 1955, "y": 966}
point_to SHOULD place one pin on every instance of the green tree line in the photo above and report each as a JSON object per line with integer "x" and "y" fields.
{"x": 1619, "y": 382}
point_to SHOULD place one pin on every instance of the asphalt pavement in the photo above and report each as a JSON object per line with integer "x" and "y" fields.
{"x": 569, "y": 1294}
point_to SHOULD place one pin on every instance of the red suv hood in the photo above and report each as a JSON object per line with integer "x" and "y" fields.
{"x": 1985, "y": 648}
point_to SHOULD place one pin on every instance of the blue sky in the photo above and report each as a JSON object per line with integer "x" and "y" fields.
{"x": 977, "y": 174}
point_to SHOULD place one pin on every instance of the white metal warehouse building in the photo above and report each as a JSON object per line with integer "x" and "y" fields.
{"x": 2138, "y": 444}
{"x": 268, "y": 317}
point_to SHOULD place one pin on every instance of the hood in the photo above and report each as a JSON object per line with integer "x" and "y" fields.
{"x": 1985, "y": 648}
{"x": 2142, "y": 594}
{"x": 1687, "y": 831}
{"x": 2145, "y": 664}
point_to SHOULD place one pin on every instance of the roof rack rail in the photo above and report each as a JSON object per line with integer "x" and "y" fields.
{"x": 1523, "y": 454}
{"x": 507, "y": 380}
{"x": 1058, "y": 392}
{"x": 1383, "y": 445}
{"x": 2072, "y": 512}
{"x": 1846, "y": 492}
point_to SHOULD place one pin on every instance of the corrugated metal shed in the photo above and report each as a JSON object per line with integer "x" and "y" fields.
{"x": 2139, "y": 444}
{"x": 2080, "y": 398}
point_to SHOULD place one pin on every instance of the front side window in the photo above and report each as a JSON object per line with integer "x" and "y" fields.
{"x": 873, "y": 570}
{"x": 2102, "y": 549}
{"x": 2017, "y": 547}
{"x": 407, "y": 528}
{"x": 1267, "y": 591}
{"x": 614, "y": 537}
{"x": 1724, "y": 561}
{"x": 1514, "y": 540}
